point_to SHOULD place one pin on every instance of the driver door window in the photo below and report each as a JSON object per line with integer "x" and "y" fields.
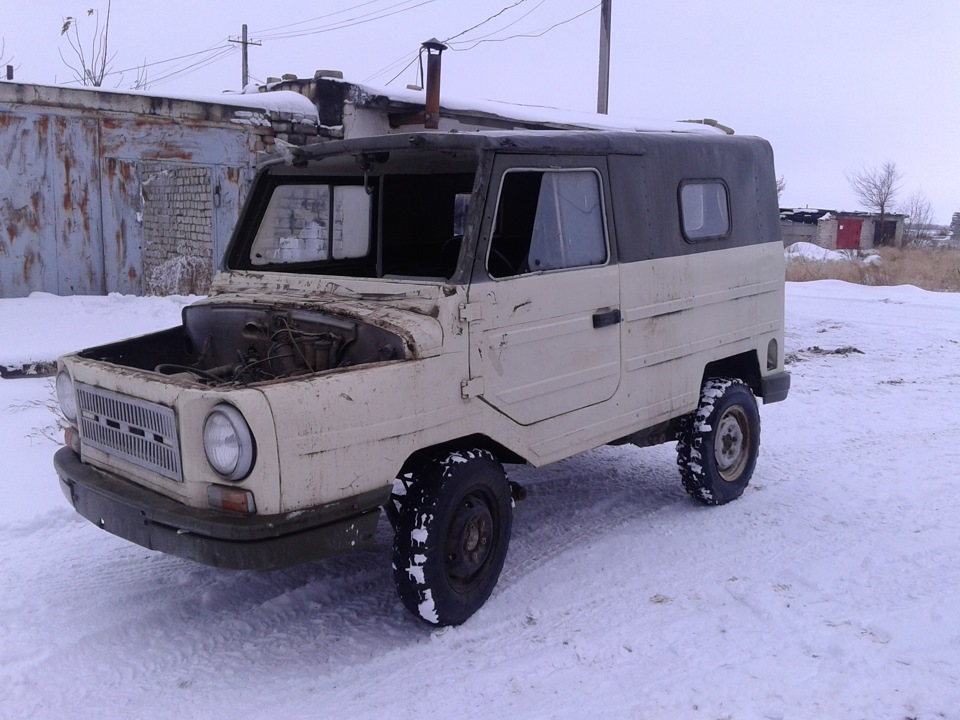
{"x": 547, "y": 220}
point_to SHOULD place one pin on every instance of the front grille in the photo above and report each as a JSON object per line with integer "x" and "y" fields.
{"x": 138, "y": 431}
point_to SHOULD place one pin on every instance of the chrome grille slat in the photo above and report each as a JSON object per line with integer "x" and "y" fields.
{"x": 138, "y": 431}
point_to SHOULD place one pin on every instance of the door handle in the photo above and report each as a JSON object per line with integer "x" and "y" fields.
{"x": 606, "y": 318}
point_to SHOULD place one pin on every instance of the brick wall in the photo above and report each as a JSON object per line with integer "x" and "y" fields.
{"x": 177, "y": 217}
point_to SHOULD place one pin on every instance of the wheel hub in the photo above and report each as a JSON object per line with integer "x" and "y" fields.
{"x": 731, "y": 444}
{"x": 470, "y": 539}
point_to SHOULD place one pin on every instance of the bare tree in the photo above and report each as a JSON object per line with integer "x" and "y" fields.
{"x": 919, "y": 218}
{"x": 143, "y": 79}
{"x": 90, "y": 65}
{"x": 876, "y": 189}
{"x": 781, "y": 186}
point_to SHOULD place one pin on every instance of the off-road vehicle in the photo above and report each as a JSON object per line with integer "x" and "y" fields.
{"x": 398, "y": 317}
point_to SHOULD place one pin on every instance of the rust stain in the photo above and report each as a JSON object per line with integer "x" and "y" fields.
{"x": 132, "y": 274}
{"x": 233, "y": 174}
{"x": 43, "y": 130}
{"x": 25, "y": 218}
{"x": 29, "y": 260}
{"x": 119, "y": 238}
{"x": 125, "y": 172}
{"x": 164, "y": 151}
{"x": 110, "y": 124}
{"x": 67, "y": 166}
{"x": 84, "y": 205}
{"x": 6, "y": 120}
{"x": 12, "y": 231}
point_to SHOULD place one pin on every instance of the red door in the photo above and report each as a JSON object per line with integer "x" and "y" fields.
{"x": 848, "y": 234}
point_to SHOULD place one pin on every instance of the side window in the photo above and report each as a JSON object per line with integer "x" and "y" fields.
{"x": 704, "y": 209}
{"x": 296, "y": 227}
{"x": 547, "y": 220}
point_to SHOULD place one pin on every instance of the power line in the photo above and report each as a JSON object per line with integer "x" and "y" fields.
{"x": 176, "y": 74}
{"x": 474, "y": 42}
{"x": 537, "y": 34}
{"x": 404, "y": 68}
{"x": 319, "y": 17}
{"x": 212, "y": 48}
{"x": 349, "y": 22}
{"x": 484, "y": 22}
{"x": 393, "y": 64}
{"x": 505, "y": 27}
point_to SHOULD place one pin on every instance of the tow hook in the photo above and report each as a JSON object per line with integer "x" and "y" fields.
{"x": 517, "y": 491}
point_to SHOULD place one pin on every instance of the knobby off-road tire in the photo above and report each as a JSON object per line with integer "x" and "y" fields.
{"x": 451, "y": 534}
{"x": 718, "y": 443}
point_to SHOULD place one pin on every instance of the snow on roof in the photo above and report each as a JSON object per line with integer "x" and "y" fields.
{"x": 285, "y": 101}
{"x": 543, "y": 115}
{"x": 538, "y": 113}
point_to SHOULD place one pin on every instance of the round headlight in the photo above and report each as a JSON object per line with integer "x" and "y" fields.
{"x": 228, "y": 442}
{"x": 66, "y": 396}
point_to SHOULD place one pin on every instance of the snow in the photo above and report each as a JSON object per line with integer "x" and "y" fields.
{"x": 284, "y": 101}
{"x": 829, "y": 590}
{"x": 809, "y": 251}
{"x": 539, "y": 113}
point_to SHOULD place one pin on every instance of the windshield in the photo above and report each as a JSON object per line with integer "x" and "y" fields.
{"x": 400, "y": 216}
{"x": 313, "y": 223}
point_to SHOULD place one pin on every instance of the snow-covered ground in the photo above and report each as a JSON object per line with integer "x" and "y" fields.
{"x": 809, "y": 252}
{"x": 829, "y": 590}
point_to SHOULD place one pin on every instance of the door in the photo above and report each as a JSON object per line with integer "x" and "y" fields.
{"x": 848, "y": 234}
{"x": 544, "y": 305}
{"x": 121, "y": 196}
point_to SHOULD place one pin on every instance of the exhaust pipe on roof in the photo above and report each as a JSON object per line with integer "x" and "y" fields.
{"x": 431, "y": 114}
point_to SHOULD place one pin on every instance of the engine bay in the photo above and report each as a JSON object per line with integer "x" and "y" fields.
{"x": 220, "y": 345}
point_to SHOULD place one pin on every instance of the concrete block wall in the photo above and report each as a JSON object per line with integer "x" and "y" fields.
{"x": 797, "y": 232}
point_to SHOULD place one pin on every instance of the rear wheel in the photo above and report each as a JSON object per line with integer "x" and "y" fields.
{"x": 718, "y": 444}
{"x": 452, "y": 531}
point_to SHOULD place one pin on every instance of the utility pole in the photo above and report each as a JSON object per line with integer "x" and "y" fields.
{"x": 244, "y": 42}
{"x": 603, "y": 82}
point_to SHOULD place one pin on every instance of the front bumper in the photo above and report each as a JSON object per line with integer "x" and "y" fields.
{"x": 211, "y": 537}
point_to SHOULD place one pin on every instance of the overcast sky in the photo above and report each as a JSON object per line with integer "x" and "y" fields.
{"x": 834, "y": 85}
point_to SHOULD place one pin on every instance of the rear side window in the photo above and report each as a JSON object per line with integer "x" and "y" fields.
{"x": 704, "y": 209}
{"x": 547, "y": 220}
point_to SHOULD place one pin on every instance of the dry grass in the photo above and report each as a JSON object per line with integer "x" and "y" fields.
{"x": 928, "y": 268}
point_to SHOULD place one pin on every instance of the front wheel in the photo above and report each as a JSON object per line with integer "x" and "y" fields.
{"x": 451, "y": 536}
{"x": 718, "y": 443}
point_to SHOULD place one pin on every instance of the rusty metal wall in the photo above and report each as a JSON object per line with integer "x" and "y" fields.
{"x": 122, "y": 230}
{"x": 28, "y": 247}
{"x": 75, "y": 172}
{"x": 71, "y": 200}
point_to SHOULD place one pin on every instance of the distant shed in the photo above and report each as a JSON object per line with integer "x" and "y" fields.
{"x": 838, "y": 230}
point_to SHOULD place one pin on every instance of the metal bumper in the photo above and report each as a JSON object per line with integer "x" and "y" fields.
{"x": 774, "y": 388}
{"x": 212, "y": 537}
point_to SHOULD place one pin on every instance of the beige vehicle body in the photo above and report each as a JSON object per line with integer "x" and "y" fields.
{"x": 385, "y": 302}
